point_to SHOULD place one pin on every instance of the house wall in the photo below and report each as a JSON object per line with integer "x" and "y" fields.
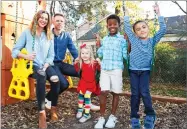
{"x": 81, "y": 30}
{"x": 91, "y": 42}
{"x": 173, "y": 38}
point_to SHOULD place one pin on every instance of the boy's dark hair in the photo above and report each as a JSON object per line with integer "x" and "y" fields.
{"x": 137, "y": 23}
{"x": 113, "y": 16}
{"x": 58, "y": 14}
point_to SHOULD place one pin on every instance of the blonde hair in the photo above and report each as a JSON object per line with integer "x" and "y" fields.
{"x": 47, "y": 28}
{"x": 88, "y": 47}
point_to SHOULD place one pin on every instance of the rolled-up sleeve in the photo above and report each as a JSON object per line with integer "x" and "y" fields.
{"x": 19, "y": 45}
{"x": 51, "y": 54}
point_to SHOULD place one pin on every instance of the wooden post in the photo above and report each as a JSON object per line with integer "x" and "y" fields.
{"x": 7, "y": 27}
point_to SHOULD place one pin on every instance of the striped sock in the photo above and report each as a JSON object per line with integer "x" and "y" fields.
{"x": 80, "y": 102}
{"x": 87, "y": 101}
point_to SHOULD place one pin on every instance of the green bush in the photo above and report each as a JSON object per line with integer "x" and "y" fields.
{"x": 170, "y": 64}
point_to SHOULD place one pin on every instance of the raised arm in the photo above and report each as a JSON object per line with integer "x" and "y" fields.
{"x": 128, "y": 29}
{"x": 124, "y": 49}
{"x": 162, "y": 30}
{"x": 100, "y": 51}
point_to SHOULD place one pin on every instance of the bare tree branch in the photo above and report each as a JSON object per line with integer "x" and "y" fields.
{"x": 179, "y": 6}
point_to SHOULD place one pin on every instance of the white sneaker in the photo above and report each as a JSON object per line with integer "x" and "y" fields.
{"x": 100, "y": 123}
{"x": 47, "y": 104}
{"x": 112, "y": 120}
{"x": 94, "y": 107}
{"x": 84, "y": 118}
{"x": 79, "y": 115}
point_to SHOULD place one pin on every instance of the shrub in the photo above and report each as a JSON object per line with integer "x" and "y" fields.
{"x": 170, "y": 64}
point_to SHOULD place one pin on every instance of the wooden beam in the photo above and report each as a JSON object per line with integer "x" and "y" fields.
{"x": 176, "y": 100}
{"x": 42, "y": 4}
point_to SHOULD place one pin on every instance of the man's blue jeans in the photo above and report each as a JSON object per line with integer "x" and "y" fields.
{"x": 61, "y": 70}
{"x": 139, "y": 81}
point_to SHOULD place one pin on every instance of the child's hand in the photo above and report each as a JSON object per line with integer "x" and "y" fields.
{"x": 98, "y": 60}
{"x": 98, "y": 39}
{"x": 125, "y": 11}
{"x": 126, "y": 37}
{"x": 76, "y": 60}
{"x": 156, "y": 9}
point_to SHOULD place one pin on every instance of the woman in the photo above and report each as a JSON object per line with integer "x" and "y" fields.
{"x": 37, "y": 40}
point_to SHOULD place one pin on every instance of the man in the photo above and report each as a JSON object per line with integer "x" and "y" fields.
{"x": 62, "y": 42}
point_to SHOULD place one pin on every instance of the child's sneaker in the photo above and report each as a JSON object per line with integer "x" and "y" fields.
{"x": 84, "y": 118}
{"x": 100, "y": 123}
{"x": 149, "y": 122}
{"x": 79, "y": 115}
{"x": 112, "y": 120}
{"x": 135, "y": 123}
{"x": 47, "y": 104}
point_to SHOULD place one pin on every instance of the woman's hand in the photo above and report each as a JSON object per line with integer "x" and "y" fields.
{"x": 30, "y": 56}
{"x": 46, "y": 65}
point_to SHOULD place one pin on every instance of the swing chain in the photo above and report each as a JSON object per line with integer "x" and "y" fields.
{"x": 123, "y": 6}
{"x": 155, "y": 21}
{"x": 16, "y": 25}
{"x": 34, "y": 27}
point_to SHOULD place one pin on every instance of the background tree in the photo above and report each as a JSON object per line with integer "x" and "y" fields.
{"x": 180, "y": 7}
{"x": 182, "y": 32}
{"x": 73, "y": 10}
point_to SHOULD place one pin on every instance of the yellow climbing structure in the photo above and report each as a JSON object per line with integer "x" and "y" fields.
{"x": 69, "y": 61}
{"x": 19, "y": 87}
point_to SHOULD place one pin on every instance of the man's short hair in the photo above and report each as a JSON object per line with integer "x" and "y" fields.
{"x": 58, "y": 14}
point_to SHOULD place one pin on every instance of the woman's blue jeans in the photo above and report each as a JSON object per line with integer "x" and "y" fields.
{"x": 40, "y": 86}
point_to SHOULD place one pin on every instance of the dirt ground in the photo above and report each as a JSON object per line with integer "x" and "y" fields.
{"x": 25, "y": 115}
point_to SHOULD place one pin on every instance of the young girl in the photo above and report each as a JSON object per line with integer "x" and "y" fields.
{"x": 37, "y": 40}
{"x": 140, "y": 65}
{"x": 87, "y": 67}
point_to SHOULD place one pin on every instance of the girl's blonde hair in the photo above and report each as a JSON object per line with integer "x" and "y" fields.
{"x": 34, "y": 22}
{"x": 88, "y": 47}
